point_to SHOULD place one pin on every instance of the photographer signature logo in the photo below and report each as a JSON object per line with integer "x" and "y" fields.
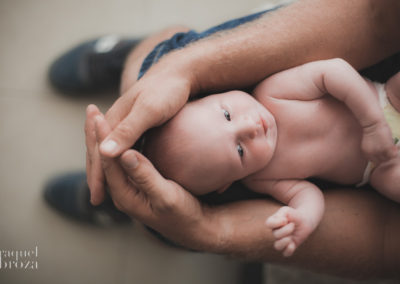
{"x": 19, "y": 259}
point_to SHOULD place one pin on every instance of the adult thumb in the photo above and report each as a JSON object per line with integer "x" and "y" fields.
{"x": 125, "y": 134}
{"x": 142, "y": 174}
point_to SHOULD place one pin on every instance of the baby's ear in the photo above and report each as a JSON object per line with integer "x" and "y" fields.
{"x": 223, "y": 188}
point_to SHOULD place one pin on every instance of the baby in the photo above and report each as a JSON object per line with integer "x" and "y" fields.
{"x": 320, "y": 119}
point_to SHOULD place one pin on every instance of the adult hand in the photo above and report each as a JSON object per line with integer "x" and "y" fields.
{"x": 155, "y": 98}
{"x": 141, "y": 192}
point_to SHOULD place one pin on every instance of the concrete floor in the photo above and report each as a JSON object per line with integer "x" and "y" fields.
{"x": 41, "y": 135}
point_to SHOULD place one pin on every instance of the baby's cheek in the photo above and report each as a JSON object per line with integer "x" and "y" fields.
{"x": 259, "y": 160}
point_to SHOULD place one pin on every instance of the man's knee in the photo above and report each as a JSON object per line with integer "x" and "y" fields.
{"x": 137, "y": 55}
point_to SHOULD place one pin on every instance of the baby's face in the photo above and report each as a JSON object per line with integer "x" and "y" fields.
{"x": 231, "y": 136}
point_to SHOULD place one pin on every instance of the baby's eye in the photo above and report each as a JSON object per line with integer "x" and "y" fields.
{"x": 227, "y": 115}
{"x": 240, "y": 150}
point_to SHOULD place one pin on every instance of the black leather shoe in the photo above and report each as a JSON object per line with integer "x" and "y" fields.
{"x": 70, "y": 195}
{"x": 92, "y": 66}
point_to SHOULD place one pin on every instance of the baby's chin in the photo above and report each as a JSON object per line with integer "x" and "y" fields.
{"x": 199, "y": 191}
{"x": 200, "y": 188}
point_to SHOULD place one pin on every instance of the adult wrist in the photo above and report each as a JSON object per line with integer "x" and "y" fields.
{"x": 206, "y": 234}
{"x": 215, "y": 233}
{"x": 184, "y": 63}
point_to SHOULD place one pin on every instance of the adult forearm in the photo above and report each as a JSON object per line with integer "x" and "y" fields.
{"x": 352, "y": 239}
{"x": 360, "y": 31}
{"x": 358, "y": 235}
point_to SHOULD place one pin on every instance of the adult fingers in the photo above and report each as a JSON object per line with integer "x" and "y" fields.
{"x": 102, "y": 129}
{"x": 117, "y": 113}
{"x": 161, "y": 193}
{"x": 113, "y": 172}
{"x": 124, "y": 196}
{"x": 95, "y": 177}
{"x": 141, "y": 117}
{"x": 90, "y": 132}
{"x": 121, "y": 107}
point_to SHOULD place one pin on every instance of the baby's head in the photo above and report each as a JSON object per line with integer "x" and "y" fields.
{"x": 213, "y": 142}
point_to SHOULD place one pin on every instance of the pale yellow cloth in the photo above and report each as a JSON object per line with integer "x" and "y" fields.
{"x": 393, "y": 119}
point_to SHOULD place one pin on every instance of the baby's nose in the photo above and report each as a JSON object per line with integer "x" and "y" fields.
{"x": 248, "y": 128}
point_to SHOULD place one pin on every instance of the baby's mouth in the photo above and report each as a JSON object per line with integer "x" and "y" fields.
{"x": 264, "y": 124}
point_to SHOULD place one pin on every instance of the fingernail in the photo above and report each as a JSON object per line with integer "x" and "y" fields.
{"x": 131, "y": 161}
{"x": 90, "y": 109}
{"x": 109, "y": 146}
{"x": 97, "y": 119}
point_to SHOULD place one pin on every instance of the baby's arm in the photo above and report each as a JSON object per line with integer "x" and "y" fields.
{"x": 339, "y": 79}
{"x": 292, "y": 224}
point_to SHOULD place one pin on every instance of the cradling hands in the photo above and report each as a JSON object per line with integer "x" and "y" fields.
{"x": 140, "y": 191}
{"x": 151, "y": 101}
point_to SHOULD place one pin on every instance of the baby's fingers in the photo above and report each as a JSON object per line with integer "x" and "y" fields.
{"x": 284, "y": 231}
{"x": 392, "y": 152}
{"x": 385, "y": 154}
{"x": 286, "y": 245}
{"x": 291, "y": 247}
{"x": 276, "y": 221}
{"x": 282, "y": 243}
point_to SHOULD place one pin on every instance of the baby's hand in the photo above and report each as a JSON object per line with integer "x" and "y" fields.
{"x": 290, "y": 228}
{"x": 377, "y": 143}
